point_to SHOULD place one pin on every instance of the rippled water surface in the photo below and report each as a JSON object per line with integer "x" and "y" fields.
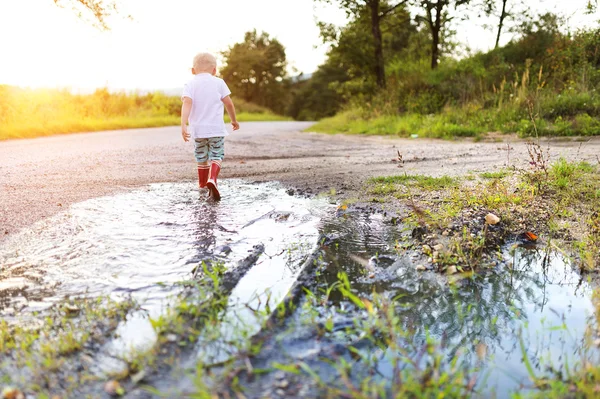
{"x": 143, "y": 241}
{"x": 534, "y": 294}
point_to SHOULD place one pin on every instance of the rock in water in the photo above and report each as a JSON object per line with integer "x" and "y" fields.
{"x": 492, "y": 219}
{"x": 113, "y": 388}
{"x": 12, "y": 393}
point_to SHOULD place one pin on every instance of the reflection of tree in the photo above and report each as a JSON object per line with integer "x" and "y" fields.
{"x": 482, "y": 309}
{"x": 205, "y": 221}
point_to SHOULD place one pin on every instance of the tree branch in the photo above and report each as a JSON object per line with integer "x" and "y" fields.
{"x": 392, "y": 8}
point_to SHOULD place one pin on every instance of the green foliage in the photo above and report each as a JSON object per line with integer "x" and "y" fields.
{"x": 348, "y": 72}
{"x": 544, "y": 77}
{"x": 255, "y": 70}
{"x": 42, "y": 112}
{"x": 422, "y": 181}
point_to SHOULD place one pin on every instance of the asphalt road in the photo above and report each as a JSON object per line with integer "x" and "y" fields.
{"x": 40, "y": 177}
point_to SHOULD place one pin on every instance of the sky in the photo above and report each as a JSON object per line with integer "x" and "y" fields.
{"x": 48, "y": 46}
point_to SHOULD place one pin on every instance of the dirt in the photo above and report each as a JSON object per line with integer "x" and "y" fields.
{"x": 41, "y": 177}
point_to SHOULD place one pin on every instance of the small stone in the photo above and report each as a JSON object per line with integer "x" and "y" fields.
{"x": 421, "y": 268}
{"x": 436, "y": 254}
{"x": 451, "y": 270}
{"x": 12, "y": 393}
{"x": 71, "y": 309}
{"x": 113, "y": 388}
{"x": 492, "y": 219}
{"x": 597, "y": 342}
{"x": 172, "y": 337}
{"x": 138, "y": 377}
{"x": 438, "y": 247}
{"x": 280, "y": 392}
{"x": 445, "y": 233}
{"x": 426, "y": 249}
{"x": 283, "y": 384}
{"x": 280, "y": 375}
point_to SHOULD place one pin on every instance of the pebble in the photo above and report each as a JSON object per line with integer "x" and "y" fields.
{"x": 438, "y": 247}
{"x": 436, "y": 254}
{"x": 492, "y": 219}
{"x": 421, "y": 268}
{"x": 113, "y": 388}
{"x": 280, "y": 375}
{"x": 283, "y": 384}
{"x": 452, "y": 270}
{"x": 171, "y": 337}
{"x": 426, "y": 249}
{"x": 12, "y": 393}
{"x": 280, "y": 392}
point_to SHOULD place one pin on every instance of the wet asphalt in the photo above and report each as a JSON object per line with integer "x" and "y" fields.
{"x": 41, "y": 177}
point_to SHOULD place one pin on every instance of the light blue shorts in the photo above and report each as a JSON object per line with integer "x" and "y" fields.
{"x": 211, "y": 149}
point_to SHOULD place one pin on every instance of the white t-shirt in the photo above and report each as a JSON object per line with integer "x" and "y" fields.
{"x": 206, "y": 117}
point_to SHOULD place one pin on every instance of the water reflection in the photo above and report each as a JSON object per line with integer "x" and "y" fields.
{"x": 476, "y": 317}
{"x": 142, "y": 242}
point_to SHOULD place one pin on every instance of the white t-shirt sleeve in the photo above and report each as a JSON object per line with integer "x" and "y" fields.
{"x": 187, "y": 91}
{"x": 224, "y": 90}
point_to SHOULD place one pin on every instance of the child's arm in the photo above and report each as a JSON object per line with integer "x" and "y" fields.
{"x": 231, "y": 112}
{"x": 186, "y": 108}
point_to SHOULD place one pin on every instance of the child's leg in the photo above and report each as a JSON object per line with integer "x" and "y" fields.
{"x": 201, "y": 154}
{"x": 216, "y": 153}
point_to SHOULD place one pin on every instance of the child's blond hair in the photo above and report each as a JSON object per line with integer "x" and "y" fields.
{"x": 204, "y": 62}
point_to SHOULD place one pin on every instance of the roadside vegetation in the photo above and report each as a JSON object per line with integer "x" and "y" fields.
{"x": 26, "y": 113}
{"x": 544, "y": 75}
{"x": 557, "y": 203}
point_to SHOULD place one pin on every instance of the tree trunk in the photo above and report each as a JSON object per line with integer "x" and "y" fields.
{"x": 376, "y": 31}
{"x": 436, "y": 27}
{"x": 501, "y": 22}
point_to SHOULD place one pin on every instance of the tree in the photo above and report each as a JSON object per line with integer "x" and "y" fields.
{"x": 505, "y": 10}
{"x": 437, "y": 18}
{"x": 256, "y": 69}
{"x": 95, "y": 10}
{"x": 378, "y": 10}
{"x": 348, "y": 72}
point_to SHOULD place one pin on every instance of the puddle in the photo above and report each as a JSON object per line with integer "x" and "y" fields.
{"x": 478, "y": 318}
{"x": 142, "y": 242}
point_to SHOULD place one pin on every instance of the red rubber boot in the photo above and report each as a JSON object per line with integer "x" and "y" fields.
{"x": 203, "y": 171}
{"x": 215, "y": 168}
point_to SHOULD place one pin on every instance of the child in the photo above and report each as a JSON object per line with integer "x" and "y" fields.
{"x": 203, "y": 99}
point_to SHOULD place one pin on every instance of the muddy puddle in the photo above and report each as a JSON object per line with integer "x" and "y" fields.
{"x": 143, "y": 242}
{"x": 531, "y": 296}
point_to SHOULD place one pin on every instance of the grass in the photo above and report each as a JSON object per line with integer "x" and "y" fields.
{"x": 559, "y": 201}
{"x": 494, "y": 175}
{"x": 553, "y": 116}
{"x": 44, "y": 350}
{"x": 436, "y": 126}
{"x": 421, "y": 181}
{"x": 26, "y": 113}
